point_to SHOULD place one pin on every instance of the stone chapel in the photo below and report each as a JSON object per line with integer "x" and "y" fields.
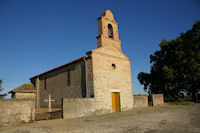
{"x": 103, "y": 74}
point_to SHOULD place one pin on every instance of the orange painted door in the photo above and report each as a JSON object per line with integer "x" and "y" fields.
{"x": 115, "y": 101}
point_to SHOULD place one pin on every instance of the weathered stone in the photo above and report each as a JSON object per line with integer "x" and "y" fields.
{"x": 140, "y": 101}
{"x": 76, "y": 107}
{"x": 24, "y": 95}
{"x": 111, "y": 68}
{"x": 157, "y": 99}
{"x": 13, "y": 111}
{"x": 57, "y": 83}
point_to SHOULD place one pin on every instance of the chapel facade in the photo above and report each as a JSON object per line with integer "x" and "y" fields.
{"x": 103, "y": 74}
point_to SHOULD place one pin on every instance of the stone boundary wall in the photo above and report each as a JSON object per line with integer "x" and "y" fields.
{"x": 13, "y": 111}
{"x": 157, "y": 99}
{"x": 140, "y": 101}
{"x": 77, "y": 107}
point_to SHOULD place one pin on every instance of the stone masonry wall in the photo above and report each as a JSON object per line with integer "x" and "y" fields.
{"x": 108, "y": 79}
{"x": 140, "y": 101}
{"x": 89, "y": 78}
{"x": 77, "y": 107}
{"x": 57, "y": 85}
{"x": 15, "y": 111}
{"x": 24, "y": 95}
{"x": 157, "y": 99}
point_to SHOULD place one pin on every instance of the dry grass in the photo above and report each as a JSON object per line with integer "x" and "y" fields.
{"x": 180, "y": 103}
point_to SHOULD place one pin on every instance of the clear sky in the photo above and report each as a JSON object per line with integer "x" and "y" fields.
{"x": 38, "y": 35}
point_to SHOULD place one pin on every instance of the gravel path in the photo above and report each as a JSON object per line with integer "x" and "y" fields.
{"x": 168, "y": 119}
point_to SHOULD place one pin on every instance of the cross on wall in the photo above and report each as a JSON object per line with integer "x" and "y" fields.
{"x": 49, "y": 100}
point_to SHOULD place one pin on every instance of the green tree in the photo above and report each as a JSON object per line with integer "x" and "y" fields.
{"x": 175, "y": 67}
{"x": 1, "y": 95}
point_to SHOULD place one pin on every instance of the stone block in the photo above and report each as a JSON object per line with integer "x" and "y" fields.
{"x": 140, "y": 101}
{"x": 157, "y": 99}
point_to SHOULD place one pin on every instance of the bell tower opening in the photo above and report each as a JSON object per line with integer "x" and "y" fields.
{"x": 110, "y": 31}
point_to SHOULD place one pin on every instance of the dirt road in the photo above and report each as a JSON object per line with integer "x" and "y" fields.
{"x": 168, "y": 119}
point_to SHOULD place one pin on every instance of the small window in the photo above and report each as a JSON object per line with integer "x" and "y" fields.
{"x": 68, "y": 77}
{"x": 113, "y": 66}
{"x": 110, "y": 31}
{"x": 45, "y": 83}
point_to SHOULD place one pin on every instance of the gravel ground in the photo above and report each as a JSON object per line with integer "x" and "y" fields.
{"x": 167, "y": 119}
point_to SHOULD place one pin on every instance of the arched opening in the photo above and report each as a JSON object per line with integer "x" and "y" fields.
{"x": 113, "y": 66}
{"x": 110, "y": 31}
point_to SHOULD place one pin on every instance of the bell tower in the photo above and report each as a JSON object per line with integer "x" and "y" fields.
{"x": 110, "y": 68}
{"x": 108, "y": 31}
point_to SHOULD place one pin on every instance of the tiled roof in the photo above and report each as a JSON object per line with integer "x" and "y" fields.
{"x": 24, "y": 88}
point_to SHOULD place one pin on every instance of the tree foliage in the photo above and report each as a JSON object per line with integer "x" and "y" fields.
{"x": 175, "y": 69}
{"x": 1, "y": 95}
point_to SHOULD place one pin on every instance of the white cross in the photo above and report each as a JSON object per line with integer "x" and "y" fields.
{"x": 49, "y": 100}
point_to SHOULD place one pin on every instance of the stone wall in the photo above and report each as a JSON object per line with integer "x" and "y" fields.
{"x": 140, "y": 101}
{"x": 77, "y": 107}
{"x": 111, "y": 69}
{"x": 58, "y": 85}
{"x": 24, "y": 95}
{"x": 108, "y": 79}
{"x": 157, "y": 99}
{"x": 13, "y": 111}
{"x": 89, "y": 78}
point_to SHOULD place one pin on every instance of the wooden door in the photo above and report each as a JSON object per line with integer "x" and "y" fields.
{"x": 115, "y": 101}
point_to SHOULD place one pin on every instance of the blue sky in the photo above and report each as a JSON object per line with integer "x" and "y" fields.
{"x": 38, "y": 35}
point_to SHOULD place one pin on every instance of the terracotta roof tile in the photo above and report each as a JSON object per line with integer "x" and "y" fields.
{"x": 24, "y": 88}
